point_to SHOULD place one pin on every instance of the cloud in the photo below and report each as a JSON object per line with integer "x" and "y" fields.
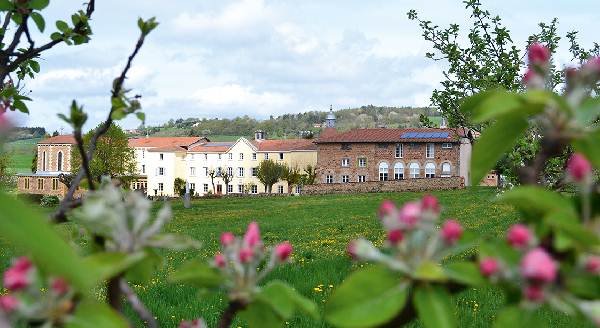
{"x": 236, "y": 95}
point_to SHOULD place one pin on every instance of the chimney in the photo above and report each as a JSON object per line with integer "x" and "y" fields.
{"x": 259, "y": 135}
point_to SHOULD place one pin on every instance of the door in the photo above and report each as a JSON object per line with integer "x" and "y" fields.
{"x": 219, "y": 189}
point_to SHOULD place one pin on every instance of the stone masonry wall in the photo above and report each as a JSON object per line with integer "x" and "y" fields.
{"x": 421, "y": 184}
{"x": 52, "y": 151}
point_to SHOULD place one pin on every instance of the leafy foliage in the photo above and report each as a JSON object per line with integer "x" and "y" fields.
{"x": 269, "y": 172}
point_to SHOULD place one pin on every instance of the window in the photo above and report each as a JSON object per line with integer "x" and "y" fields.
{"x": 399, "y": 151}
{"x": 43, "y": 162}
{"x": 205, "y": 171}
{"x": 446, "y": 170}
{"x": 383, "y": 171}
{"x": 430, "y": 170}
{"x": 219, "y": 156}
{"x": 362, "y": 178}
{"x": 254, "y": 189}
{"x": 218, "y": 171}
{"x": 382, "y": 145}
{"x": 230, "y": 171}
{"x": 345, "y": 179}
{"x": 54, "y": 184}
{"x": 59, "y": 161}
{"x": 206, "y": 157}
{"x": 40, "y": 184}
{"x": 254, "y": 171}
{"x": 362, "y": 162}
{"x": 447, "y": 145}
{"x": 398, "y": 171}
{"x": 192, "y": 171}
{"x": 298, "y": 189}
{"x": 345, "y": 162}
{"x": 161, "y": 156}
{"x": 230, "y": 155}
{"x": 280, "y": 189}
{"x": 205, "y": 187}
{"x": 281, "y": 156}
{"x": 414, "y": 170}
{"x": 329, "y": 179}
{"x": 192, "y": 188}
{"x": 266, "y": 155}
{"x": 161, "y": 186}
{"x": 143, "y": 153}
{"x": 253, "y": 156}
{"x": 161, "y": 171}
{"x": 143, "y": 168}
{"x": 240, "y": 172}
{"x": 346, "y": 146}
{"x": 241, "y": 156}
{"x": 192, "y": 157}
{"x": 429, "y": 150}
{"x": 26, "y": 183}
{"x": 241, "y": 189}
{"x": 229, "y": 188}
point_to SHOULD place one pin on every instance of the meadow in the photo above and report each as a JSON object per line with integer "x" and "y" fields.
{"x": 319, "y": 227}
{"x": 21, "y": 154}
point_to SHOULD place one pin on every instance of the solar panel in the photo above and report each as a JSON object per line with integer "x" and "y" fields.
{"x": 424, "y": 135}
{"x": 218, "y": 144}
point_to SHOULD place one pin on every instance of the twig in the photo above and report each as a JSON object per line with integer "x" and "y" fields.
{"x": 138, "y": 306}
{"x": 84, "y": 159}
{"x": 113, "y": 293}
{"x": 232, "y": 309}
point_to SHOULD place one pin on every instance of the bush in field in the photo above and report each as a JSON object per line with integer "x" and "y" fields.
{"x": 49, "y": 201}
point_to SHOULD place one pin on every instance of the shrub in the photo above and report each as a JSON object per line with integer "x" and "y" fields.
{"x": 49, "y": 201}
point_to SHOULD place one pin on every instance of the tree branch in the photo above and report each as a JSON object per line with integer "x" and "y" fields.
{"x": 137, "y": 305}
{"x": 232, "y": 309}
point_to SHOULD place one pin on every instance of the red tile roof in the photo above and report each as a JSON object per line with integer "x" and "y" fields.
{"x": 167, "y": 149}
{"x": 212, "y": 147}
{"x": 61, "y": 139}
{"x": 162, "y": 141}
{"x": 385, "y": 135}
{"x": 285, "y": 145}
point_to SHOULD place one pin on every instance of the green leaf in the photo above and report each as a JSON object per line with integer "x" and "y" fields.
{"x": 31, "y": 232}
{"x": 197, "y": 274}
{"x": 588, "y": 145}
{"x": 38, "y": 4}
{"x": 467, "y": 241}
{"x": 500, "y": 249}
{"x": 6, "y": 5}
{"x": 584, "y": 285}
{"x": 141, "y": 116}
{"x": 368, "y": 297}
{"x": 515, "y": 317}
{"x": 430, "y": 271}
{"x": 104, "y": 265}
{"x": 495, "y": 141}
{"x": 285, "y": 300}
{"x": 142, "y": 271}
{"x": 434, "y": 307}
{"x": 94, "y": 314}
{"x": 62, "y": 26}
{"x": 18, "y": 104}
{"x": 496, "y": 105}
{"x": 35, "y": 66}
{"x": 56, "y": 36}
{"x": 118, "y": 114}
{"x": 261, "y": 315}
{"x": 39, "y": 21}
{"x": 588, "y": 112}
{"x": 17, "y": 18}
{"x": 537, "y": 201}
{"x": 472, "y": 103}
{"x": 465, "y": 273}
{"x": 570, "y": 226}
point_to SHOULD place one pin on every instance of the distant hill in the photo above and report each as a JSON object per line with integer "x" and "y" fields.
{"x": 22, "y": 133}
{"x": 293, "y": 125}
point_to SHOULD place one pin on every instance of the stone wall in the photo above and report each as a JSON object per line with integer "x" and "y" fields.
{"x": 421, "y": 184}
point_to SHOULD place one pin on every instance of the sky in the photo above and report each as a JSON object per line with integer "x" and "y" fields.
{"x": 224, "y": 58}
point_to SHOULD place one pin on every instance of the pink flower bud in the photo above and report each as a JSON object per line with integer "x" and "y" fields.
{"x": 22, "y": 264}
{"x": 386, "y": 208}
{"x": 245, "y": 255}
{"x": 410, "y": 214}
{"x": 17, "y": 277}
{"x": 579, "y": 168}
{"x": 534, "y": 293}
{"x": 395, "y": 236}
{"x": 227, "y": 238}
{"x": 430, "y": 203}
{"x": 538, "y": 54}
{"x": 351, "y": 249}
{"x": 592, "y": 264}
{"x": 488, "y": 266}
{"x": 252, "y": 236}
{"x": 283, "y": 251}
{"x": 538, "y": 266}
{"x": 519, "y": 236}
{"x": 59, "y": 286}
{"x": 219, "y": 260}
{"x": 571, "y": 73}
{"x": 593, "y": 65}
{"x": 8, "y": 303}
{"x": 529, "y": 76}
{"x": 451, "y": 231}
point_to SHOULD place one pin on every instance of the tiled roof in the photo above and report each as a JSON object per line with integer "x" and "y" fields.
{"x": 388, "y": 135}
{"x": 61, "y": 139}
{"x": 211, "y": 147}
{"x": 162, "y": 141}
{"x": 166, "y": 149}
{"x": 285, "y": 145}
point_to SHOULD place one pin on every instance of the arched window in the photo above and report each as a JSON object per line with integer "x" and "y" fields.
{"x": 414, "y": 170}
{"x": 398, "y": 171}
{"x": 44, "y": 161}
{"x": 446, "y": 170}
{"x": 430, "y": 170}
{"x": 59, "y": 161}
{"x": 383, "y": 171}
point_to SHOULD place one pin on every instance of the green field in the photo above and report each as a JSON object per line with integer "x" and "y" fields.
{"x": 21, "y": 153}
{"x": 319, "y": 227}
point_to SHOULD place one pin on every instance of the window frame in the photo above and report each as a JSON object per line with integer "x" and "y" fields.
{"x": 399, "y": 151}
{"x": 411, "y": 168}
{"x": 399, "y": 175}
{"x": 427, "y": 168}
{"x": 241, "y": 172}
{"x": 383, "y": 170}
{"x": 329, "y": 179}
{"x": 427, "y": 150}
{"x": 447, "y": 145}
{"x": 364, "y": 159}
{"x": 345, "y": 178}
{"x": 446, "y": 174}
{"x": 346, "y": 162}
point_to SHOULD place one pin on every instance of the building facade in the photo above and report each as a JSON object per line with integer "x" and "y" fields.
{"x": 383, "y": 154}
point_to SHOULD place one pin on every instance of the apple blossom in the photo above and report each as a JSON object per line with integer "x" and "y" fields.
{"x": 488, "y": 266}
{"x": 410, "y": 214}
{"x": 579, "y": 168}
{"x": 538, "y": 266}
{"x": 519, "y": 236}
{"x": 451, "y": 231}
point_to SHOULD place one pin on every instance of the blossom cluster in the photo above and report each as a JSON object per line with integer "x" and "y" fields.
{"x": 412, "y": 236}
{"x": 241, "y": 261}
{"x": 32, "y": 298}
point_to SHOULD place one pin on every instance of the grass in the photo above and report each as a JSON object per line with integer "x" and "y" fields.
{"x": 319, "y": 227}
{"x": 21, "y": 154}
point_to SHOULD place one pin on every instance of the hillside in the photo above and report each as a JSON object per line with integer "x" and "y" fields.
{"x": 292, "y": 125}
